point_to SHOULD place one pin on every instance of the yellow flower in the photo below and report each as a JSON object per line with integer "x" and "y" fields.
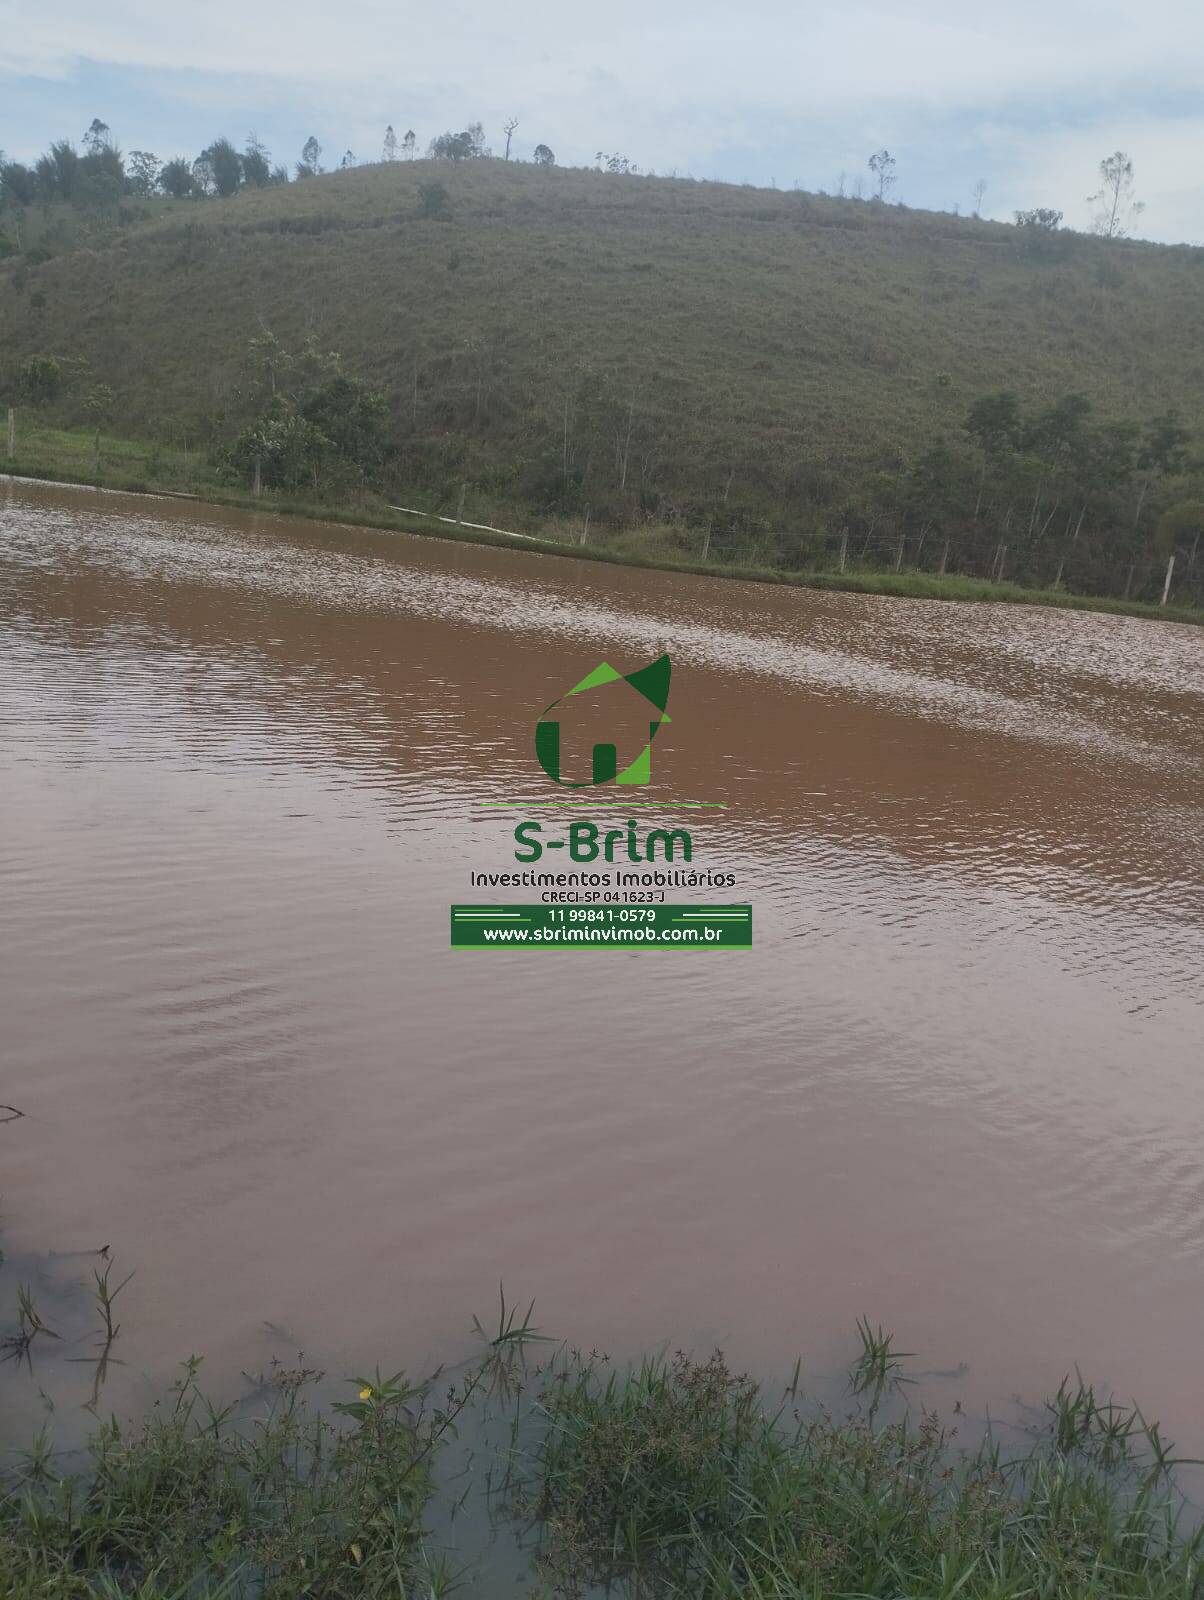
{"x": 366, "y": 1392}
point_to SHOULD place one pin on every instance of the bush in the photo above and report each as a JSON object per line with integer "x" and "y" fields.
{"x": 432, "y": 200}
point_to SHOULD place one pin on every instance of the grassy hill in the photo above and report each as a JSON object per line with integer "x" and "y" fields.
{"x": 775, "y": 367}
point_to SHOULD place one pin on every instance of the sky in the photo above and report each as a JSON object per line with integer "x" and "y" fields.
{"x": 1027, "y": 96}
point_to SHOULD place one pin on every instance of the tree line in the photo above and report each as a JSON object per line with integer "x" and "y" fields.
{"x": 1049, "y": 496}
{"x": 100, "y": 173}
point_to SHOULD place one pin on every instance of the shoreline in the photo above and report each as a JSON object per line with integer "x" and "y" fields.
{"x": 909, "y": 585}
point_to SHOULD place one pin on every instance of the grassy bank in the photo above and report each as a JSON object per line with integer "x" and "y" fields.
{"x": 104, "y": 461}
{"x": 678, "y": 1478}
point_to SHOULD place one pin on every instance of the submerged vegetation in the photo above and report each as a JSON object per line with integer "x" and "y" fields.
{"x": 677, "y": 1478}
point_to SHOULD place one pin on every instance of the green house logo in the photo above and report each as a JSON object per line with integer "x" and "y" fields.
{"x": 652, "y": 682}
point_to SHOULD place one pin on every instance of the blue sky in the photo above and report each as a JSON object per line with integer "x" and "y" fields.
{"x": 1027, "y": 96}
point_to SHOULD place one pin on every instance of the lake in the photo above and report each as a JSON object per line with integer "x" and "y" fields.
{"x": 246, "y": 765}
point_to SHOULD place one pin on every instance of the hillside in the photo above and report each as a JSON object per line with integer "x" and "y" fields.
{"x": 777, "y": 366}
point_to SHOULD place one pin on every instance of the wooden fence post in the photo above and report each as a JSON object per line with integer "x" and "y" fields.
{"x": 844, "y": 547}
{"x": 12, "y": 432}
{"x": 257, "y": 486}
{"x": 460, "y": 512}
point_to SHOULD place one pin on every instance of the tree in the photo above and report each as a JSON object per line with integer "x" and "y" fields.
{"x": 615, "y": 163}
{"x": 1038, "y": 231}
{"x": 98, "y": 403}
{"x": 18, "y": 184}
{"x": 102, "y": 179}
{"x": 286, "y": 447}
{"x": 1040, "y": 220}
{"x": 347, "y": 161}
{"x": 1117, "y": 209}
{"x": 176, "y": 178}
{"x": 390, "y": 145}
{"x": 311, "y": 156}
{"x": 144, "y": 172}
{"x": 224, "y": 165}
{"x": 994, "y": 423}
{"x": 410, "y": 144}
{"x": 882, "y": 165}
{"x": 452, "y": 147}
{"x": 1179, "y": 528}
{"x": 97, "y": 136}
{"x": 40, "y": 380}
{"x": 432, "y": 200}
{"x": 544, "y": 157}
{"x": 1164, "y": 447}
{"x": 980, "y": 188}
{"x": 256, "y": 163}
{"x": 510, "y": 127}
{"x": 352, "y": 416}
{"x": 58, "y": 171}
{"x": 468, "y": 145}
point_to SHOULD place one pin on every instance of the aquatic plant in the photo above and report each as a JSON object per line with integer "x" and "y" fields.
{"x": 677, "y": 1480}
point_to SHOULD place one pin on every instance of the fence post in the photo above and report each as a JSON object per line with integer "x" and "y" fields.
{"x": 899, "y": 552}
{"x": 844, "y": 547}
{"x": 460, "y": 512}
{"x": 585, "y": 527}
{"x": 257, "y": 486}
{"x": 1166, "y": 587}
{"x": 12, "y": 432}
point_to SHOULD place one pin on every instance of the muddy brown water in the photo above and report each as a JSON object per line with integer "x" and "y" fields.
{"x": 958, "y": 1086}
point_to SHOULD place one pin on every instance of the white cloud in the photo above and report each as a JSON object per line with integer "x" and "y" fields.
{"x": 1059, "y": 167}
{"x": 698, "y": 85}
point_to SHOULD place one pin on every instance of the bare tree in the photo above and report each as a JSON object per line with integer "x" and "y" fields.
{"x": 882, "y": 165}
{"x": 390, "y": 147}
{"x": 980, "y": 188}
{"x": 1118, "y": 210}
{"x": 510, "y": 127}
{"x": 410, "y": 144}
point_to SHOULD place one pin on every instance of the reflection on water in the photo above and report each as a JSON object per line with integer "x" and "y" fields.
{"x": 956, "y": 1087}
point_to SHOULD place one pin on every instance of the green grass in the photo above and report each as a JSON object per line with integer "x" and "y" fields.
{"x": 753, "y": 328}
{"x": 198, "y": 1501}
{"x": 677, "y": 1479}
{"x": 140, "y": 466}
{"x": 681, "y": 1479}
